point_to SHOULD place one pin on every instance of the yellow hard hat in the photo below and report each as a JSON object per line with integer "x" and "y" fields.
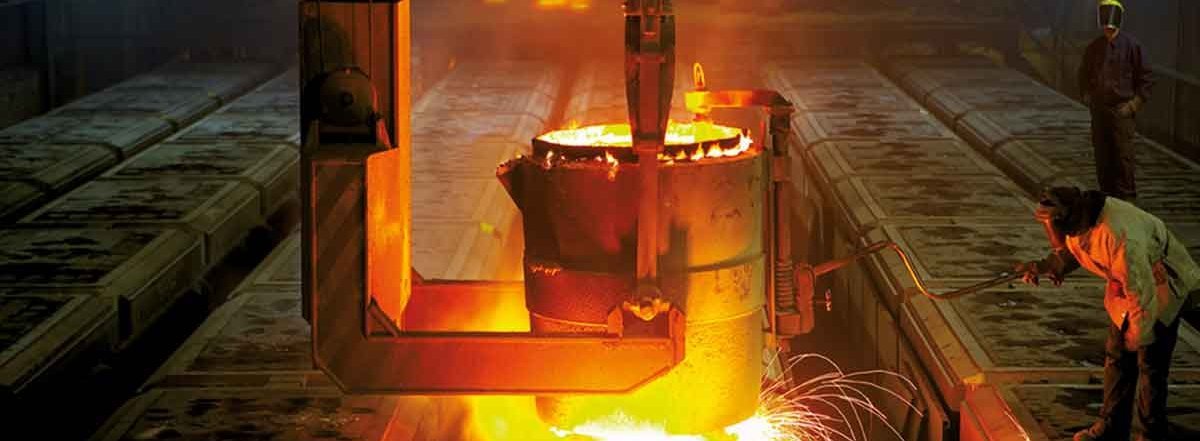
{"x": 1110, "y": 13}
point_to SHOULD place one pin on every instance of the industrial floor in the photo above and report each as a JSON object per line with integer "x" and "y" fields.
{"x": 127, "y": 209}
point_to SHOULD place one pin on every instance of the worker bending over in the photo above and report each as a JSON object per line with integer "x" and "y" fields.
{"x": 1151, "y": 278}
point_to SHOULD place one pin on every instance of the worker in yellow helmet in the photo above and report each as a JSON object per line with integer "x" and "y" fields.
{"x": 1114, "y": 81}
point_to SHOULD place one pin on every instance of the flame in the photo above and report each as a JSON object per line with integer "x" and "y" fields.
{"x": 613, "y": 166}
{"x": 714, "y": 151}
{"x": 618, "y": 135}
{"x": 743, "y": 144}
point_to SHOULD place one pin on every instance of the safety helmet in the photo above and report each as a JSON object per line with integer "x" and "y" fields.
{"x": 1110, "y": 13}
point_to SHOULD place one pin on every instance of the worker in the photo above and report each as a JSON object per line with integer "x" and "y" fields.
{"x": 1114, "y": 82}
{"x": 1151, "y": 279}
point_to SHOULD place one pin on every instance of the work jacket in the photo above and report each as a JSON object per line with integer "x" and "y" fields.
{"x": 1149, "y": 272}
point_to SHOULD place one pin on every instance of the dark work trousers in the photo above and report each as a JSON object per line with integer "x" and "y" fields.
{"x": 1144, "y": 370}
{"x": 1112, "y": 139}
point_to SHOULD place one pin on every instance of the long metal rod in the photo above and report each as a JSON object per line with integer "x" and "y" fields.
{"x": 912, "y": 272}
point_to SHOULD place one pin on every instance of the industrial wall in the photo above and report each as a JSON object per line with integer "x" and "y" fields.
{"x": 75, "y": 47}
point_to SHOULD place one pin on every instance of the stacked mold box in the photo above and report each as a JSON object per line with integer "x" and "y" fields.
{"x": 464, "y": 223}
{"x": 248, "y": 371}
{"x": 889, "y": 170}
{"x": 212, "y": 190}
{"x": 1041, "y": 138}
{"x": 83, "y": 275}
{"x": 251, "y": 360}
{"x": 45, "y": 156}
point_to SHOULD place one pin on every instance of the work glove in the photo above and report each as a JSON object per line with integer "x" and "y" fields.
{"x": 1052, "y": 266}
{"x": 1130, "y": 108}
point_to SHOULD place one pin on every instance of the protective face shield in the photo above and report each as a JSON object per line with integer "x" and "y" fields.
{"x": 1110, "y": 14}
{"x": 1058, "y": 214}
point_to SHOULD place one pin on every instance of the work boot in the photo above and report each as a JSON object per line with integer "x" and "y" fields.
{"x": 1094, "y": 433}
{"x": 1086, "y": 435}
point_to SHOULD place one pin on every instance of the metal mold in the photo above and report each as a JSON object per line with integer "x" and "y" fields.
{"x": 43, "y": 332}
{"x": 952, "y": 102}
{"x": 222, "y": 212}
{"x": 221, "y": 80}
{"x": 899, "y": 66}
{"x": 808, "y": 73}
{"x": 256, "y": 339}
{"x": 1035, "y": 162}
{"x": 841, "y": 98}
{"x": 519, "y": 101}
{"x": 280, "y": 269}
{"x": 989, "y": 129}
{"x": 124, "y": 134}
{"x": 262, "y": 128}
{"x": 288, "y": 81}
{"x": 838, "y": 160}
{"x": 964, "y": 251}
{"x": 472, "y": 127}
{"x": 871, "y": 201}
{"x": 534, "y": 76}
{"x": 920, "y": 81}
{"x": 54, "y": 167}
{"x": 867, "y": 125}
{"x": 271, "y": 169}
{"x": 256, "y": 412}
{"x": 440, "y": 157}
{"x": 17, "y": 197}
{"x": 141, "y": 270}
{"x": 1067, "y": 324}
{"x": 285, "y": 102}
{"x": 179, "y": 106}
{"x": 1170, "y": 197}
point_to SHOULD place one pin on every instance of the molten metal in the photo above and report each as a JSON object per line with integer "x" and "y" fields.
{"x": 619, "y": 135}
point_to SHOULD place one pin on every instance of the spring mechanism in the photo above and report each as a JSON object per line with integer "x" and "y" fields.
{"x": 785, "y": 300}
